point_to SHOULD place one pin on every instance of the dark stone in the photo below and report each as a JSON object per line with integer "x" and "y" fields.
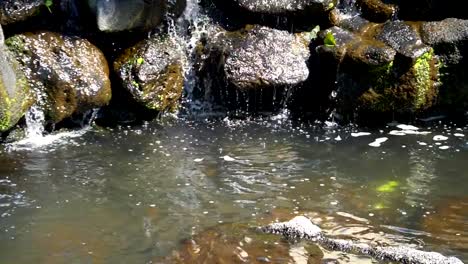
{"x": 403, "y": 38}
{"x": 12, "y": 11}
{"x": 376, "y": 10}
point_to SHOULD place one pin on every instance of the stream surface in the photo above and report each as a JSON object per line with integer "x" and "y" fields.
{"x": 134, "y": 195}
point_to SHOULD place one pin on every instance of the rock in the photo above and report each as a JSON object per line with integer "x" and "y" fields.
{"x": 279, "y": 14}
{"x": 152, "y": 71}
{"x": 15, "y": 95}
{"x": 371, "y": 76}
{"x": 268, "y": 58}
{"x": 449, "y": 38}
{"x": 12, "y": 11}
{"x": 403, "y": 38}
{"x": 376, "y": 10}
{"x": 69, "y": 75}
{"x": 122, "y": 15}
{"x": 238, "y": 243}
{"x": 301, "y": 227}
{"x": 450, "y": 30}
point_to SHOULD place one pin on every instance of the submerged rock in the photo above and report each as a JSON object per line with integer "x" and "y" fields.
{"x": 69, "y": 75}
{"x": 15, "y": 95}
{"x": 301, "y": 227}
{"x": 268, "y": 58}
{"x": 237, "y": 243}
{"x": 12, "y": 11}
{"x": 121, "y": 15}
{"x": 152, "y": 71}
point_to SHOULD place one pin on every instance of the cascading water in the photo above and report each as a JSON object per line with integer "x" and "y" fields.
{"x": 187, "y": 31}
{"x": 35, "y": 122}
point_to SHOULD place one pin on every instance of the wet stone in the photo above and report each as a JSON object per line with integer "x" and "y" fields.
{"x": 152, "y": 71}
{"x": 268, "y": 58}
{"x": 12, "y": 11}
{"x": 68, "y": 74}
{"x": 403, "y": 38}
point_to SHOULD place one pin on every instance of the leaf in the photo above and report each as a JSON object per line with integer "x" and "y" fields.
{"x": 329, "y": 39}
{"x": 140, "y": 61}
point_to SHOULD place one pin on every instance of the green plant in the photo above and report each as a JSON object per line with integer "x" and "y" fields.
{"x": 49, "y": 4}
{"x": 140, "y": 61}
{"x": 329, "y": 39}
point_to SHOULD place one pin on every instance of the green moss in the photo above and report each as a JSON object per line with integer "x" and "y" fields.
{"x": 140, "y": 61}
{"x": 411, "y": 91}
{"x": 16, "y": 44}
{"x": 423, "y": 72}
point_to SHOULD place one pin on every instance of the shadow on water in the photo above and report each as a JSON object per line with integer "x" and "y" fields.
{"x": 190, "y": 192}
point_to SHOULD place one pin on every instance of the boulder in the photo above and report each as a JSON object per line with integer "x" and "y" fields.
{"x": 153, "y": 73}
{"x": 268, "y": 58}
{"x": 12, "y": 11}
{"x": 69, "y": 75}
{"x": 15, "y": 94}
{"x": 122, "y": 15}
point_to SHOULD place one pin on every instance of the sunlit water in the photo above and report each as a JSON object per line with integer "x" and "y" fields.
{"x": 135, "y": 195}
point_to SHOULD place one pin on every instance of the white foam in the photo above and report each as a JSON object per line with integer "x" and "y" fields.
{"x": 378, "y": 142}
{"x": 439, "y": 138}
{"x": 407, "y": 127}
{"x": 360, "y": 134}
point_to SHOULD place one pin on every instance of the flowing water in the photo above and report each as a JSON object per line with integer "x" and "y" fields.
{"x": 135, "y": 195}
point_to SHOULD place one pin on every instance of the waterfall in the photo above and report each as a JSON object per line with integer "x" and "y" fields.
{"x": 35, "y": 122}
{"x": 187, "y": 31}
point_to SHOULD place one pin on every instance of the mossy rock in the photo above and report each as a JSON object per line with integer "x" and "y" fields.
{"x": 69, "y": 75}
{"x": 152, "y": 71}
{"x": 15, "y": 93}
{"x": 403, "y": 91}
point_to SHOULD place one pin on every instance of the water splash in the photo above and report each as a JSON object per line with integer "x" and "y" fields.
{"x": 36, "y": 137}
